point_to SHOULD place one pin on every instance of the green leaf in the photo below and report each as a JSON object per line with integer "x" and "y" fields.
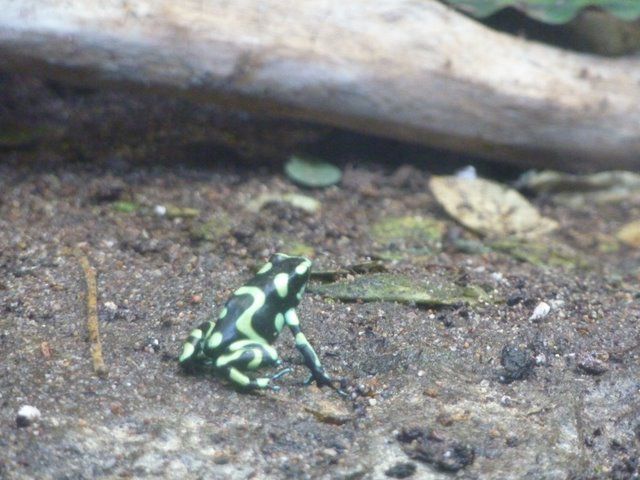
{"x": 550, "y": 11}
{"x": 124, "y": 206}
{"x": 389, "y": 287}
{"x": 311, "y": 172}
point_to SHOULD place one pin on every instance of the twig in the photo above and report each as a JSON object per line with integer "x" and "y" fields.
{"x": 92, "y": 315}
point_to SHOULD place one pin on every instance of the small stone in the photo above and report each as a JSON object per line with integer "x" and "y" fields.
{"x": 432, "y": 447}
{"x": 518, "y": 363}
{"x": 221, "y": 458}
{"x": 541, "y": 311}
{"x": 511, "y": 441}
{"x": 329, "y": 412}
{"x": 444, "y": 419}
{"x": 514, "y": 299}
{"x": 27, "y": 415}
{"x": 330, "y": 452}
{"x": 152, "y": 346}
{"x": 431, "y": 392}
{"x": 45, "y": 349}
{"x": 116, "y": 408}
{"x": 401, "y": 470}
{"x": 467, "y": 173}
{"x": 593, "y": 363}
{"x": 111, "y": 307}
{"x": 160, "y": 210}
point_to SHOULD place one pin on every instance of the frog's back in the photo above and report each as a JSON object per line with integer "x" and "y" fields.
{"x": 255, "y": 313}
{"x": 252, "y": 312}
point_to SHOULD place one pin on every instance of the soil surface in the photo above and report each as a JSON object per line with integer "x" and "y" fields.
{"x": 141, "y": 186}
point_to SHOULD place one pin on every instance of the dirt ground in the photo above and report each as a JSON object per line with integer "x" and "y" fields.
{"x": 467, "y": 391}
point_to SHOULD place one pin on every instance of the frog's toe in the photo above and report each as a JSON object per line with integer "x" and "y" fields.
{"x": 281, "y": 373}
{"x": 323, "y": 380}
{"x": 320, "y": 378}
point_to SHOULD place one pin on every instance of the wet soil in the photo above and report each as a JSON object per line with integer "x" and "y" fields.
{"x": 464, "y": 391}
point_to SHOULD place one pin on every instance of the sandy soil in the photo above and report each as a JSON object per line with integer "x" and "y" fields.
{"x": 467, "y": 391}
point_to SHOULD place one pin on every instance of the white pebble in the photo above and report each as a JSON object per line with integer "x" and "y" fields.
{"x": 160, "y": 210}
{"x": 498, "y": 277}
{"x": 27, "y": 415}
{"x": 112, "y": 307}
{"x": 541, "y": 311}
{"x": 467, "y": 173}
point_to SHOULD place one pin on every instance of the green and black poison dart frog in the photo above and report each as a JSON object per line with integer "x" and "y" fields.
{"x": 250, "y": 321}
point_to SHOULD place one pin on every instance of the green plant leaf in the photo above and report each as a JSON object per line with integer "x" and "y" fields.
{"x": 550, "y": 11}
{"x": 311, "y": 172}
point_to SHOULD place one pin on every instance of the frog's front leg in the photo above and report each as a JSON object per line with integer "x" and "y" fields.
{"x": 311, "y": 359}
{"x": 246, "y": 355}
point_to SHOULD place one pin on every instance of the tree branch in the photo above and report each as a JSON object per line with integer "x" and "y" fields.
{"x": 415, "y": 71}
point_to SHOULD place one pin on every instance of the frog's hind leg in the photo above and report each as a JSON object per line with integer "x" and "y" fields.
{"x": 249, "y": 355}
{"x": 193, "y": 347}
{"x": 310, "y": 356}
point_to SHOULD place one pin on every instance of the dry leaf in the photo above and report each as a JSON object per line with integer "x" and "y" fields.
{"x": 630, "y": 234}
{"x": 489, "y": 208}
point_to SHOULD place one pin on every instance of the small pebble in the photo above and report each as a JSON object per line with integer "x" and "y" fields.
{"x": 467, "y": 173}
{"x": 27, "y": 415}
{"x": 498, "y": 277}
{"x": 401, "y": 470}
{"x": 593, "y": 363}
{"x": 514, "y": 299}
{"x": 541, "y": 359}
{"x": 330, "y": 412}
{"x": 330, "y": 452}
{"x": 116, "y": 408}
{"x": 541, "y": 311}
{"x": 152, "y": 346}
{"x": 160, "y": 210}
{"x": 111, "y": 307}
{"x": 45, "y": 349}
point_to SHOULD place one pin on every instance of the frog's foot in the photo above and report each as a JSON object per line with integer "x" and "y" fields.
{"x": 279, "y": 374}
{"x": 323, "y": 380}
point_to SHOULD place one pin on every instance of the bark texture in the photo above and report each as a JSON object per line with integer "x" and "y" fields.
{"x": 406, "y": 69}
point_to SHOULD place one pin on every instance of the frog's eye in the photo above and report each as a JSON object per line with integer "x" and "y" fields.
{"x": 278, "y": 258}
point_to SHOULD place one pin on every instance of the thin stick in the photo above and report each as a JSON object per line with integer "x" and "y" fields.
{"x": 92, "y": 315}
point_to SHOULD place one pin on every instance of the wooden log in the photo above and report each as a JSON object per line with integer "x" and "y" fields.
{"x": 415, "y": 71}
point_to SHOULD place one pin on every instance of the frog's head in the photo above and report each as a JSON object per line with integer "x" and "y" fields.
{"x": 290, "y": 275}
